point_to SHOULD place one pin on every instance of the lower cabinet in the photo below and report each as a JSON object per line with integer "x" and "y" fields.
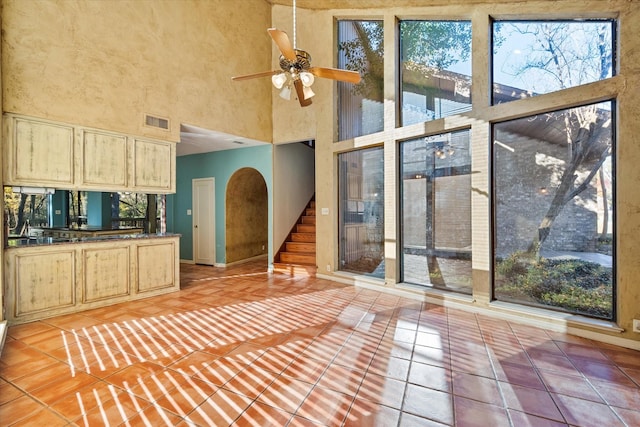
{"x": 106, "y": 273}
{"x": 46, "y": 281}
{"x": 41, "y": 283}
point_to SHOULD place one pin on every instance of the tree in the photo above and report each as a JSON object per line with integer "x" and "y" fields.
{"x": 589, "y": 146}
{"x": 563, "y": 55}
{"x": 365, "y": 54}
{"x": 22, "y": 210}
{"x": 431, "y": 44}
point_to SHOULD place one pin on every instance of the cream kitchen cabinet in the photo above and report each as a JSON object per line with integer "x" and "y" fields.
{"x": 104, "y": 158}
{"x": 42, "y": 153}
{"x": 38, "y": 153}
{"x": 50, "y": 280}
{"x": 153, "y": 166}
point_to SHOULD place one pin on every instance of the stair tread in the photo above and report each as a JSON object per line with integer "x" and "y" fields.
{"x": 286, "y": 266}
{"x": 310, "y": 239}
{"x": 300, "y": 248}
{"x": 297, "y": 258}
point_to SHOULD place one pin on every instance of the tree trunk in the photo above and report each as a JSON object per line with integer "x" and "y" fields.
{"x": 580, "y": 147}
{"x": 558, "y": 202}
{"x": 20, "y": 220}
{"x": 605, "y": 213}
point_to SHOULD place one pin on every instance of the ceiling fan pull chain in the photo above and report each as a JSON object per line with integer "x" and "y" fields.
{"x": 294, "y": 24}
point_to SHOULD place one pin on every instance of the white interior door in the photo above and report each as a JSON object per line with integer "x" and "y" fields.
{"x": 204, "y": 231}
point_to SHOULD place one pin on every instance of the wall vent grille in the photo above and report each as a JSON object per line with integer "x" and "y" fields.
{"x": 156, "y": 122}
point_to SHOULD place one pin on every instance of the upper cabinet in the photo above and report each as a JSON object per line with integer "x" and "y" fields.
{"x": 104, "y": 160}
{"x": 38, "y": 153}
{"x": 42, "y": 153}
{"x": 154, "y": 164}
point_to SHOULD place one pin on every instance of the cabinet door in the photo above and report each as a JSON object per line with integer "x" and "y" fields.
{"x": 154, "y": 166}
{"x": 157, "y": 266}
{"x": 104, "y": 160}
{"x": 41, "y": 284}
{"x": 106, "y": 273}
{"x": 39, "y": 153}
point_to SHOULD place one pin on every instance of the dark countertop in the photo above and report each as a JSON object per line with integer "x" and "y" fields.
{"x": 88, "y": 228}
{"x": 23, "y": 242}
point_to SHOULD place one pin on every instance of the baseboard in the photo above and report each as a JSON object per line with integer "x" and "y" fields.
{"x": 242, "y": 261}
{"x": 3, "y": 334}
{"x": 555, "y": 321}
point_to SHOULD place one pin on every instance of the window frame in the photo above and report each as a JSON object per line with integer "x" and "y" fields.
{"x": 493, "y": 220}
{"x": 399, "y": 122}
{"x": 613, "y": 21}
{"x": 401, "y": 206}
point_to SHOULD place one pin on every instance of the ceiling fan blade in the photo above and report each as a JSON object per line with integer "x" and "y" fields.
{"x": 256, "y": 75}
{"x": 300, "y": 92}
{"x": 281, "y": 40}
{"x": 336, "y": 74}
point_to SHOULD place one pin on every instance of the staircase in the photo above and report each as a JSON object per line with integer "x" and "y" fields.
{"x": 298, "y": 253}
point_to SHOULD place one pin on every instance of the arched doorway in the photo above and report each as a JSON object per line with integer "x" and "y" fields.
{"x": 247, "y": 215}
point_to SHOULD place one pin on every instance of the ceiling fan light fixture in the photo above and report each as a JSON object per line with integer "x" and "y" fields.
{"x": 307, "y": 79}
{"x": 285, "y": 93}
{"x": 278, "y": 80}
{"x": 308, "y": 93}
{"x": 296, "y": 69}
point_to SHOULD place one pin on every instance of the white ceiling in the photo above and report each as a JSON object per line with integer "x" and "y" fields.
{"x": 195, "y": 140}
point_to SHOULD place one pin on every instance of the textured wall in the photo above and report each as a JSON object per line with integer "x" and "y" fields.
{"x": 221, "y": 165}
{"x": 293, "y": 186}
{"x": 105, "y": 64}
{"x": 246, "y": 206}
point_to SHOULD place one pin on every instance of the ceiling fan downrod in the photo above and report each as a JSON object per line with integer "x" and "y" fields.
{"x": 294, "y": 24}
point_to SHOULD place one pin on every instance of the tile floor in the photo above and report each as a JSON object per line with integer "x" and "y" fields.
{"x": 243, "y": 347}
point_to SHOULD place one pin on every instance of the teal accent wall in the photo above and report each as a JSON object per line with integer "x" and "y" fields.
{"x": 99, "y": 209}
{"x": 220, "y": 165}
{"x": 58, "y": 204}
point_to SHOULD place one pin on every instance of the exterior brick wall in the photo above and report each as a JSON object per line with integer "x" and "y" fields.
{"x": 525, "y": 181}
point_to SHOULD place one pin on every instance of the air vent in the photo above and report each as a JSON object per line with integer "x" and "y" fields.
{"x": 156, "y": 122}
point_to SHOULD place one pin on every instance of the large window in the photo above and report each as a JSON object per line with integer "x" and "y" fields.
{"x": 361, "y": 107}
{"x": 553, "y": 173}
{"x": 554, "y": 210}
{"x": 537, "y": 57}
{"x": 435, "y": 63}
{"x": 436, "y": 211}
{"x": 361, "y": 211}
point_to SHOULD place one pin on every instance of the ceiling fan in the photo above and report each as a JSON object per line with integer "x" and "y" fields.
{"x": 296, "y": 69}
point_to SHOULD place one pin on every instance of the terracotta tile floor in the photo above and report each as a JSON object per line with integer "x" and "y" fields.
{"x": 239, "y": 346}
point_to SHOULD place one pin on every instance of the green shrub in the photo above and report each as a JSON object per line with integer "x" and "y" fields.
{"x": 572, "y": 285}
